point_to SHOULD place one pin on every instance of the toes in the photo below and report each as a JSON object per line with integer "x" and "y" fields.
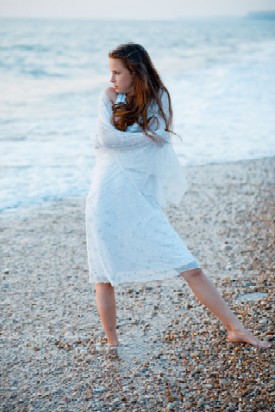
{"x": 265, "y": 345}
{"x": 249, "y": 340}
{"x": 262, "y": 344}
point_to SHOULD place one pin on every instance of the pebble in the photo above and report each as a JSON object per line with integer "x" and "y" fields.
{"x": 252, "y": 296}
{"x": 99, "y": 389}
{"x": 263, "y": 321}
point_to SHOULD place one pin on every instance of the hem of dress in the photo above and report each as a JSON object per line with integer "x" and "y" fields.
{"x": 167, "y": 274}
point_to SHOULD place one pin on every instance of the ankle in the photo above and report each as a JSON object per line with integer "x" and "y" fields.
{"x": 236, "y": 327}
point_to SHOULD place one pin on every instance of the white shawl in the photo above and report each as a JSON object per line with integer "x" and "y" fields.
{"x": 152, "y": 166}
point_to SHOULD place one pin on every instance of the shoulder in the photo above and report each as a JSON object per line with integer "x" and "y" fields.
{"x": 107, "y": 98}
{"x": 111, "y": 94}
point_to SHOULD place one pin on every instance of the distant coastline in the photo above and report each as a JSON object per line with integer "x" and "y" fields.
{"x": 266, "y": 15}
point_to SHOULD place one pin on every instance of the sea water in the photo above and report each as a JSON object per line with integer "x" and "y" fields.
{"x": 220, "y": 73}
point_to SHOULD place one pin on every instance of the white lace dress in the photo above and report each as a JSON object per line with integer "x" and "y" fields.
{"x": 129, "y": 238}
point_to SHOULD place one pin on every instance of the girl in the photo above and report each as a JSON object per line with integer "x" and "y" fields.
{"x": 129, "y": 238}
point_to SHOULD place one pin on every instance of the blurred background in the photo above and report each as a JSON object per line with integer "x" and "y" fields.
{"x": 217, "y": 59}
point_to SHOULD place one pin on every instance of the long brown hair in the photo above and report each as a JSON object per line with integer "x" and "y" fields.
{"x": 148, "y": 87}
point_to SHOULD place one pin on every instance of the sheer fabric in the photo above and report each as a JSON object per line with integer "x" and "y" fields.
{"x": 129, "y": 237}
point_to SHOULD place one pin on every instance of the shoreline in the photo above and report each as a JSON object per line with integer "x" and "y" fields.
{"x": 32, "y": 206}
{"x": 177, "y": 357}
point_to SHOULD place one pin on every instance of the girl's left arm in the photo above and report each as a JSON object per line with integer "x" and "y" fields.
{"x": 110, "y": 137}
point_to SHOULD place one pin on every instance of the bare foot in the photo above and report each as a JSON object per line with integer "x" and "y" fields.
{"x": 243, "y": 336}
{"x": 112, "y": 348}
{"x": 113, "y": 344}
{"x": 121, "y": 343}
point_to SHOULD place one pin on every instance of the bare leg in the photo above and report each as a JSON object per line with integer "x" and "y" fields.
{"x": 106, "y": 305}
{"x": 209, "y": 296}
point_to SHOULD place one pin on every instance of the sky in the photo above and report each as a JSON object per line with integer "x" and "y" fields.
{"x": 130, "y": 9}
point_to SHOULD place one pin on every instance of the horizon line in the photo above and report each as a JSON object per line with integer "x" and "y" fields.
{"x": 125, "y": 18}
{"x": 253, "y": 13}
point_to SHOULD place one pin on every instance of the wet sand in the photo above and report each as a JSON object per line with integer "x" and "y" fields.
{"x": 54, "y": 355}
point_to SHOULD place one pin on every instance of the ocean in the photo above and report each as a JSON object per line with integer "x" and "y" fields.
{"x": 220, "y": 73}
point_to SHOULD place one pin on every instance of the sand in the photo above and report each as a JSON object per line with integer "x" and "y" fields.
{"x": 54, "y": 352}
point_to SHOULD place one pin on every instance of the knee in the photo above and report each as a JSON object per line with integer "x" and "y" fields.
{"x": 192, "y": 274}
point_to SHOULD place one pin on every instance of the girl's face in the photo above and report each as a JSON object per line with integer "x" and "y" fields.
{"x": 121, "y": 78}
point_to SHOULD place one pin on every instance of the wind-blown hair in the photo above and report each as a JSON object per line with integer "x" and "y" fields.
{"x": 148, "y": 87}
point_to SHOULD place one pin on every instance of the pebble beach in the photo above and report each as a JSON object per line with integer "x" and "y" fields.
{"x": 174, "y": 356}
